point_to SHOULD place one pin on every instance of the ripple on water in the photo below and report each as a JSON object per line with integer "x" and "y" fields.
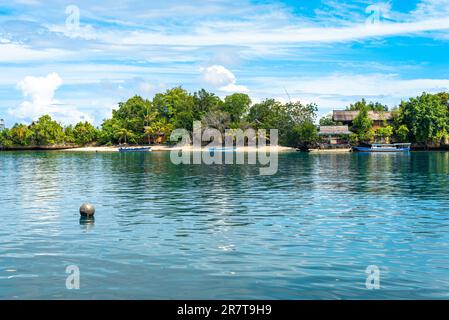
{"x": 166, "y": 231}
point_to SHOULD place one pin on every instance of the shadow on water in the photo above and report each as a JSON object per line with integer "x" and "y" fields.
{"x": 87, "y": 223}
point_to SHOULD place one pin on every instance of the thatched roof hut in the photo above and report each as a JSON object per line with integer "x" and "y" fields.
{"x": 334, "y": 130}
{"x": 347, "y": 116}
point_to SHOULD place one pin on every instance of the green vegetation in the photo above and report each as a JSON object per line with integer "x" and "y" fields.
{"x": 426, "y": 118}
{"x": 328, "y": 121}
{"x": 142, "y": 121}
{"x": 423, "y": 120}
{"x": 370, "y": 106}
{"x": 362, "y": 125}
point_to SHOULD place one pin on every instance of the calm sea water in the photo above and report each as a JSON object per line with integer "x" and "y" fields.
{"x": 223, "y": 232}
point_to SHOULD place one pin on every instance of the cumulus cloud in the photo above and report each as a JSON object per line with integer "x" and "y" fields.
{"x": 336, "y": 91}
{"x": 223, "y": 79}
{"x": 40, "y": 92}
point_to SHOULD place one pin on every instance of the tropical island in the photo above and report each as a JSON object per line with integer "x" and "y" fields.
{"x": 423, "y": 121}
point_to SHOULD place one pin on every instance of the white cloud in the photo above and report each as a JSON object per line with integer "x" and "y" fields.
{"x": 431, "y": 8}
{"x": 337, "y": 91}
{"x": 41, "y": 94}
{"x": 280, "y": 35}
{"x": 218, "y": 76}
{"x": 232, "y": 87}
{"x": 13, "y": 52}
{"x": 347, "y": 85}
{"x": 86, "y": 32}
{"x": 28, "y": 2}
{"x": 146, "y": 87}
{"x": 223, "y": 79}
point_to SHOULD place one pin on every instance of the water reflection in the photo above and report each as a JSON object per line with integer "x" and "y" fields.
{"x": 87, "y": 223}
{"x": 223, "y": 231}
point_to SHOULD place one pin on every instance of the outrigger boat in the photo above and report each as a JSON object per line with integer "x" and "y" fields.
{"x": 134, "y": 149}
{"x": 378, "y": 147}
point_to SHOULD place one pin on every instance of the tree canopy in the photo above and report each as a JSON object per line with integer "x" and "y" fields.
{"x": 422, "y": 120}
{"x": 426, "y": 117}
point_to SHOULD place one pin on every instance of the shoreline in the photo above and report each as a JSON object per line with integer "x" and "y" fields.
{"x": 190, "y": 148}
{"x": 174, "y": 148}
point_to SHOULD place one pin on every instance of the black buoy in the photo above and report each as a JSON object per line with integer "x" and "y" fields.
{"x": 87, "y": 210}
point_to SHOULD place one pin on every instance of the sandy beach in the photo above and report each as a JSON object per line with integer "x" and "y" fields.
{"x": 186, "y": 148}
{"x": 342, "y": 150}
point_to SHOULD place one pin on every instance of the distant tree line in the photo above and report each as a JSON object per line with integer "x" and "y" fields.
{"x": 421, "y": 120}
{"x": 143, "y": 121}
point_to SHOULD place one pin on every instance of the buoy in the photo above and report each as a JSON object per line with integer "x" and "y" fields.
{"x": 87, "y": 210}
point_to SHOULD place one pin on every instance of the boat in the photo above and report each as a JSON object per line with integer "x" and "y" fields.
{"x": 379, "y": 147}
{"x": 134, "y": 149}
{"x": 222, "y": 149}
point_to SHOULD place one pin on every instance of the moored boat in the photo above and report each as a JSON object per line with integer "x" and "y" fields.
{"x": 222, "y": 149}
{"x": 134, "y": 149}
{"x": 378, "y": 147}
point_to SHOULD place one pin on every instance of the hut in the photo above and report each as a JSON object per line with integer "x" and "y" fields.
{"x": 334, "y": 135}
{"x": 347, "y": 117}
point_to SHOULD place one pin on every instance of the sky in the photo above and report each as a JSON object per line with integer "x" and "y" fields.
{"x": 76, "y": 60}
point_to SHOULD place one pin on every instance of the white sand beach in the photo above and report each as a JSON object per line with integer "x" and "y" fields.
{"x": 340, "y": 150}
{"x": 185, "y": 148}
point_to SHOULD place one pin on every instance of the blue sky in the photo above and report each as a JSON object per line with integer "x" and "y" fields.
{"x": 324, "y": 51}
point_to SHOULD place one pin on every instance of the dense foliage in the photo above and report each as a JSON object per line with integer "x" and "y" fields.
{"x": 426, "y": 118}
{"x": 422, "y": 120}
{"x": 139, "y": 120}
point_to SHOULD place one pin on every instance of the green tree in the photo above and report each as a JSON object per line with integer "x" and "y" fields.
{"x": 204, "y": 102}
{"x": 385, "y": 133}
{"x": 177, "y": 106}
{"x": 303, "y": 135}
{"x": 371, "y": 106}
{"x": 69, "y": 135}
{"x": 124, "y": 135}
{"x": 236, "y": 105}
{"x": 108, "y": 132}
{"x": 131, "y": 115}
{"x": 5, "y": 138}
{"x": 362, "y": 125}
{"x": 402, "y": 133}
{"x": 46, "y": 131}
{"x": 426, "y": 118}
{"x": 301, "y": 112}
{"x": 21, "y": 135}
{"x": 327, "y": 121}
{"x": 85, "y": 133}
{"x": 158, "y": 128}
{"x": 271, "y": 114}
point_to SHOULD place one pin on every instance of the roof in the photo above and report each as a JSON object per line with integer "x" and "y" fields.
{"x": 346, "y": 115}
{"x": 334, "y": 130}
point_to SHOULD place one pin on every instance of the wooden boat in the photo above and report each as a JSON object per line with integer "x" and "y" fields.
{"x": 378, "y": 147}
{"x": 134, "y": 149}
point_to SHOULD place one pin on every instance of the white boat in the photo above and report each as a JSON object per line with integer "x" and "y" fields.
{"x": 378, "y": 147}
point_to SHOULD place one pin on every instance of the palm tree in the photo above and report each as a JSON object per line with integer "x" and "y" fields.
{"x": 149, "y": 131}
{"x": 20, "y": 132}
{"x": 123, "y": 134}
{"x": 148, "y": 118}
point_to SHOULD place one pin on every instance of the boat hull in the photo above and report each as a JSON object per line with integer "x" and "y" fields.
{"x": 368, "y": 149}
{"x": 134, "y": 149}
{"x": 224, "y": 149}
